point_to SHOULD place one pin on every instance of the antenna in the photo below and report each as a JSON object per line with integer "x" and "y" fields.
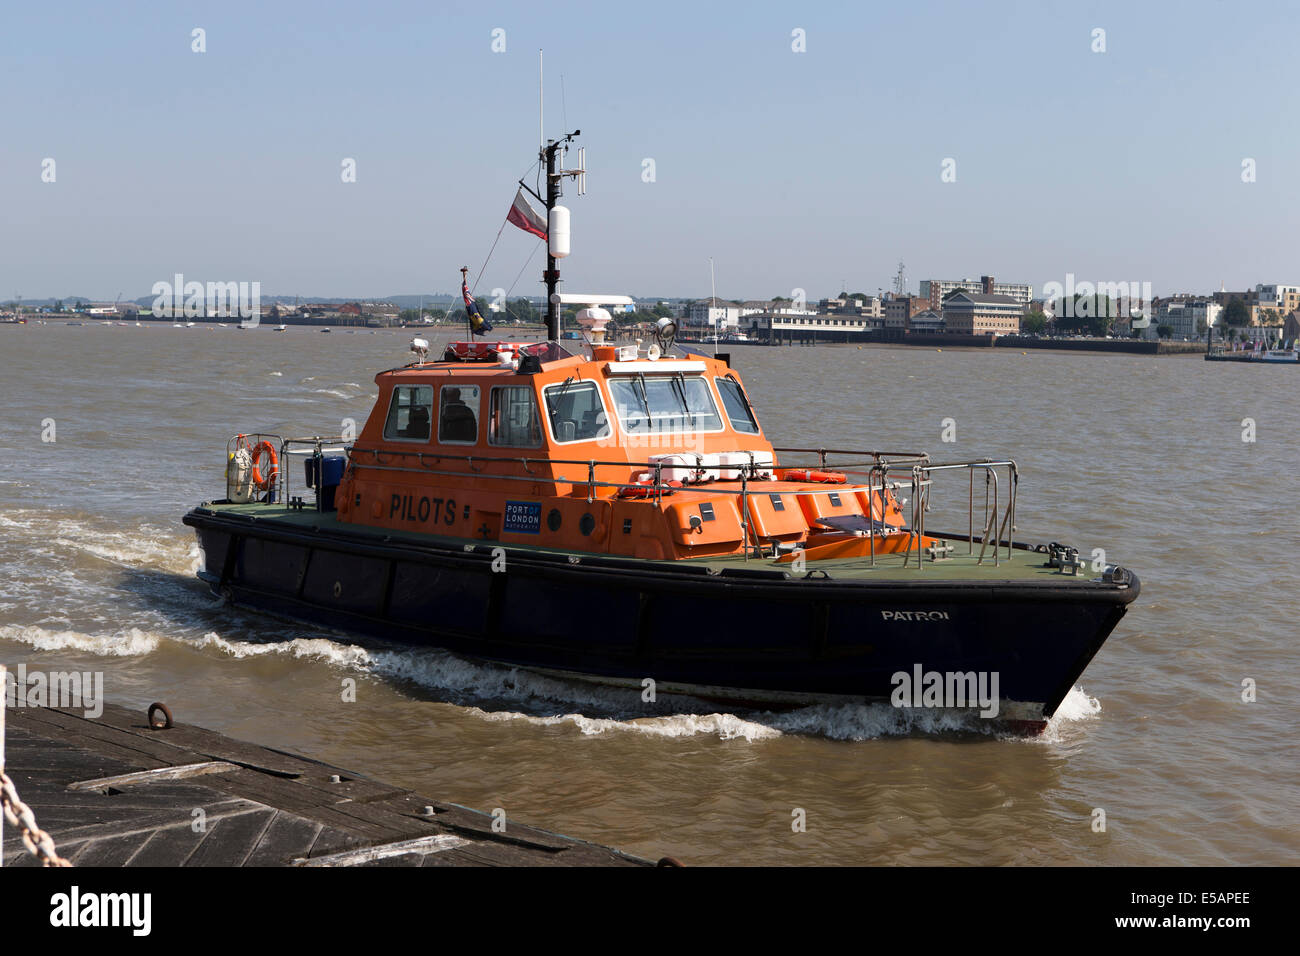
{"x": 541, "y": 134}
{"x": 900, "y": 280}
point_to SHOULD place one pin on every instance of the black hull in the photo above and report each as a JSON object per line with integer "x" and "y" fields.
{"x": 754, "y": 635}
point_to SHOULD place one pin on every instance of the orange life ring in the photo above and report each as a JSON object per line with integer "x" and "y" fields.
{"x": 824, "y": 477}
{"x": 273, "y": 472}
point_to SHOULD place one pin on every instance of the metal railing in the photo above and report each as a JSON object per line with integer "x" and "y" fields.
{"x": 884, "y": 472}
{"x": 317, "y": 445}
{"x": 279, "y": 483}
{"x": 922, "y": 487}
{"x": 251, "y": 440}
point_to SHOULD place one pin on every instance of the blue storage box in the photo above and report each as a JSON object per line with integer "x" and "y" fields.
{"x": 331, "y": 467}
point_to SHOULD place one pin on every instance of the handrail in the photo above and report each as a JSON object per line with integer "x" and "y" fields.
{"x": 841, "y": 451}
{"x": 998, "y": 523}
{"x": 316, "y": 442}
{"x": 253, "y": 439}
{"x": 752, "y": 467}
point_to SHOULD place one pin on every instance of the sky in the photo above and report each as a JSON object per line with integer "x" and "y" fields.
{"x": 814, "y": 169}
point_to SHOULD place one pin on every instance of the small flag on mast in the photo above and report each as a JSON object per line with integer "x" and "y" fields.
{"x": 523, "y": 215}
{"x": 477, "y": 324}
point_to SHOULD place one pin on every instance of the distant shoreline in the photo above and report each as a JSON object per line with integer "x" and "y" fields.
{"x": 1066, "y": 347}
{"x": 938, "y": 341}
{"x": 1005, "y": 343}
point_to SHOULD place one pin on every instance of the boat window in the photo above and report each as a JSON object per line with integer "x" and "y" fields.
{"x": 409, "y": 413}
{"x": 737, "y": 406}
{"x": 458, "y": 414}
{"x": 675, "y": 403}
{"x": 576, "y": 412}
{"x": 513, "y": 419}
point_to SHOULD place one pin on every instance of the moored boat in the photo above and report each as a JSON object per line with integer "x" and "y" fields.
{"x": 617, "y": 513}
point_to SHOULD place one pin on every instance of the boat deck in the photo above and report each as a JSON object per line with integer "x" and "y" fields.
{"x": 1022, "y": 566}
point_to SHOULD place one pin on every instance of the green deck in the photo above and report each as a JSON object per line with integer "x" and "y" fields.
{"x": 1023, "y": 566}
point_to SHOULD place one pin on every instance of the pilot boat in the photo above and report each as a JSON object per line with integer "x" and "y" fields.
{"x": 617, "y": 513}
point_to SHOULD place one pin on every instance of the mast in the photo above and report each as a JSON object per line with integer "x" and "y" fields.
{"x": 550, "y": 154}
{"x": 552, "y": 274}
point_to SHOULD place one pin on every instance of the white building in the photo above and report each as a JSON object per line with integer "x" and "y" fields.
{"x": 806, "y": 324}
{"x": 936, "y": 289}
{"x": 1187, "y": 317}
{"x": 707, "y": 315}
{"x": 872, "y": 306}
{"x": 1280, "y": 298}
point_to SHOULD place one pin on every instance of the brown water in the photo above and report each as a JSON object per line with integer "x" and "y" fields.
{"x": 1138, "y": 455}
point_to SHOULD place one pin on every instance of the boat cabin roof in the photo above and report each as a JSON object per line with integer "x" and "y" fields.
{"x": 540, "y": 396}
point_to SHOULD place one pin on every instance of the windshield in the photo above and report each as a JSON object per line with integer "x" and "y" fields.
{"x": 576, "y": 412}
{"x": 664, "y": 404}
{"x": 737, "y": 406}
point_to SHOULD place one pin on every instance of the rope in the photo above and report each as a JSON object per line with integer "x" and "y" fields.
{"x": 489, "y": 256}
{"x": 522, "y": 268}
{"x": 517, "y": 275}
{"x": 39, "y": 843}
{"x": 479, "y": 274}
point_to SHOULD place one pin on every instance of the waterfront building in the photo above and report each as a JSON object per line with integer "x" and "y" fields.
{"x": 1291, "y": 327}
{"x": 871, "y": 306}
{"x": 980, "y": 313}
{"x": 707, "y": 315}
{"x": 795, "y": 326}
{"x": 899, "y": 309}
{"x": 927, "y": 321}
{"x": 1188, "y": 315}
{"x": 1281, "y": 299}
{"x": 1251, "y": 299}
{"x": 935, "y": 289}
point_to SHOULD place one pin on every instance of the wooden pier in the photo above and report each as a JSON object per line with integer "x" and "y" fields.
{"x": 113, "y": 791}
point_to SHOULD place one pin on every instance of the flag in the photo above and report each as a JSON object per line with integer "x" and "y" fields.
{"x": 477, "y": 324}
{"x": 523, "y": 215}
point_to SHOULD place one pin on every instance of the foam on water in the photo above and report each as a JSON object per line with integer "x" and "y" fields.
{"x": 149, "y": 546}
{"x": 594, "y": 709}
{"x": 131, "y": 642}
{"x": 496, "y": 693}
{"x": 319, "y": 648}
{"x": 722, "y": 726}
{"x": 1077, "y": 706}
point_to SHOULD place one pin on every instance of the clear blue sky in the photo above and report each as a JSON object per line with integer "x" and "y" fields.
{"x": 790, "y": 169}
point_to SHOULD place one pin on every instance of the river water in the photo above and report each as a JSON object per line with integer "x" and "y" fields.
{"x": 1141, "y": 456}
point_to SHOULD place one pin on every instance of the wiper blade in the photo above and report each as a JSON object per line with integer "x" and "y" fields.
{"x": 679, "y": 386}
{"x": 645, "y": 401}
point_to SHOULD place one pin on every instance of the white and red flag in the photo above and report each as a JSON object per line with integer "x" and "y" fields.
{"x": 523, "y": 215}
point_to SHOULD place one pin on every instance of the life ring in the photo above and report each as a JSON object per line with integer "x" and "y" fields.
{"x": 823, "y": 477}
{"x": 273, "y": 472}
